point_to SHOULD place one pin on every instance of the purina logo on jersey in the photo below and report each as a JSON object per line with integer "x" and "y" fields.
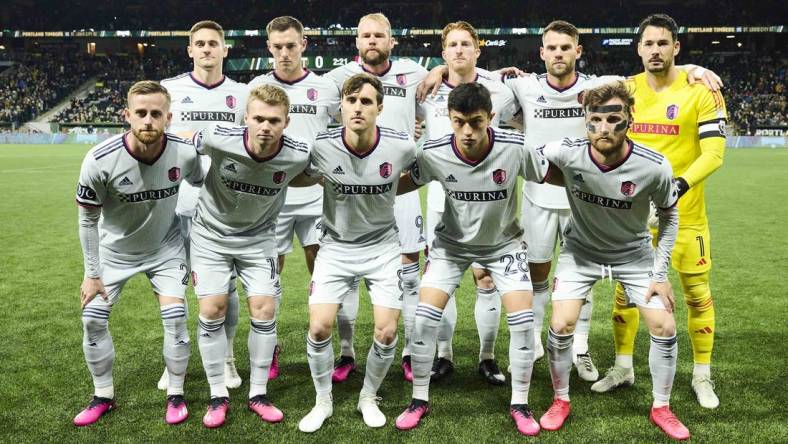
{"x": 207, "y": 116}
{"x": 499, "y": 176}
{"x": 558, "y": 113}
{"x": 174, "y": 174}
{"x": 311, "y": 94}
{"x": 385, "y": 170}
{"x": 279, "y": 177}
{"x": 394, "y": 91}
{"x": 296, "y": 108}
{"x": 402, "y": 80}
{"x": 628, "y": 188}
{"x": 230, "y": 101}
{"x": 672, "y": 112}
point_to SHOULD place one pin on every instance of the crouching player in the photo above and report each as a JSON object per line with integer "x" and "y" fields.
{"x": 478, "y": 167}
{"x": 131, "y": 182}
{"x": 611, "y": 183}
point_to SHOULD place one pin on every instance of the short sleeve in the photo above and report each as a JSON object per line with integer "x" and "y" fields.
{"x": 92, "y": 187}
{"x": 420, "y": 169}
{"x": 666, "y": 193}
{"x": 202, "y": 140}
{"x": 533, "y": 165}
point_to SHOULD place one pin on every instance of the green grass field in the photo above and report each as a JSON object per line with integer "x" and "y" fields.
{"x": 44, "y": 381}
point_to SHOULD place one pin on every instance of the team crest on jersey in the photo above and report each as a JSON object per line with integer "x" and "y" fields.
{"x": 402, "y": 80}
{"x": 311, "y": 94}
{"x": 385, "y": 170}
{"x": 279, "y": 177}
{"x": 174, "y": 174}
{"x": 672, "y": 112}
{"x": 499, "y": 176}
{"x": 231, "y": 101}
{"x": 628, "y": 188}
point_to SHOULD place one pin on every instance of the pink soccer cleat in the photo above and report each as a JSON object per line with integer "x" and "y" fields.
{"x": 273, "y": 370}
{"x": 265, "y": 410}
{"x": 524, "y": 419}
{"x": 555, "y": 416}
{"x": 407, "y": 370}
{"x": 176, "y": 410}
{"x": 344, "y": 366}
{"x": 95, "y": 410}
{"x": 663, "y": 418}
{"x": 217, "y": 412}
{"x": 410, "y": 418}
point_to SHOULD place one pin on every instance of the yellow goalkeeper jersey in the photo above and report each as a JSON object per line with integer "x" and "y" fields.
{"x": 686, "y": 123}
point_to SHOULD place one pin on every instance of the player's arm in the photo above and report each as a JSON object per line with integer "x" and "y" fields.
{"x": 711, "y": 133}
{"x": 431, "y": 83}
{"x": 406, "y": 184}
{"x": 697, "y": 74}
{"x": 664, "y": 199}
{"x": 305, "y": 180}
{"x": 542, "y": 164}
{"x": 90, "y": 197}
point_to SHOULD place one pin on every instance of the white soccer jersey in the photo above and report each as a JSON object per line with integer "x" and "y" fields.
{"x": 313, "y": 100}
{"x": 243, "y": 195}
{"x": 359, "y": 190}
{"x": 436, "y": 117}
{"x": 399, "y": 88}
{"x": 480, "y": 215}
{"x": 137, "y": 199}
{"x": 551, "y": 114}
{"x": 610, "y": 205}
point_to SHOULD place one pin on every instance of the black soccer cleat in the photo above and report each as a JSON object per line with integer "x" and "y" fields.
{"x": 441, "y": 368}
{"x": 489, "y": 370}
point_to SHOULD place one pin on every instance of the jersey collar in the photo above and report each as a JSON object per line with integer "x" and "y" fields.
{"x": 205, "y": 85}
{"x": 473, "y": 163}
{"x": 261, "y": 159}
{"x": 386, "y": 71}
{"x": 574, "y": 82}
{"x": 353, "y": 152}
{"x": 446, "y": 81}
{"x": 128, "y": 149}
{"x": 291, "y": 82}
{"x": 609, "y": 168}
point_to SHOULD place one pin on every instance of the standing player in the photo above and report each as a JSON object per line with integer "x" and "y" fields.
{"x": 461, "y": 51}
{"x": 200, "y": 98}
{"x": 400, "y": 78}
{"x": 127, "y": 193}
{"x": 611, "y": 183}
{"x": 360, "y": 164}
{"x": 234, "y": 229}
{"x": 686, "y": 123}
{"x": 479, "y": 224}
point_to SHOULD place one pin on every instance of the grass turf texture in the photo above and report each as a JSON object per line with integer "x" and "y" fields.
{"x": 45, "y": 382}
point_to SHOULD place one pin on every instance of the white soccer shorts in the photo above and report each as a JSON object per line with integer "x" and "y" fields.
{"x": 576, "y": 276}
{"x": 541, "y": 228}
{"x": 167, "y": 272}
{"x": 212, "y": 271}
{"x": 302, "y": 220}
{"x": 410, "y": 223}
{"x": 444, "y": 270}
{"x": 335, "y": 275}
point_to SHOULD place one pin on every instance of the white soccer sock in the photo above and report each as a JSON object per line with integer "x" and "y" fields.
{"x": 559, "y": 348}
{"x": 212, "y": 341}
{"x": 176, "y": 347}
{"x": 701, "y": 370}
{"x": 446, "y": 329}
{"x": 583, "y": 327}
{"x": 98, "y": 347}
{"x": 261, "y": 343}
{"x": 487, "y": 312}
{"x": 662, "y": 356}
{"x": 624, "y": 361}
{"x": 346, "y": 321}
{"x": 410, "y": 299}
{"x": 541, "y": 297}
{"x": 379, "y": 360}
{"x": 428, "y": 317}
{"x": 320, "y": 356}
{"x": 231, "y": 318}
{"x": 521, "y": 353}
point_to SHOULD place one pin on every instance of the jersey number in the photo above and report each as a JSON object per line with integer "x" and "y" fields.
{"x": 522, "y": 263}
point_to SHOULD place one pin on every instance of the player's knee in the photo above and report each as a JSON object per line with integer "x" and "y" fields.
{"x": 94, "y": 328}
{"x": 262, "y": 307}
{"x": 386, "y": 334}
{"x": 319, "y": 331}
{"x": 664, "y": 326}
{"x": 562, "y": 325}
{"x": 213, "y": 310}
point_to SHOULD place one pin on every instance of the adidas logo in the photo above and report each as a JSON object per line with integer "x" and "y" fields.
{"x": 338, "y": 170}
{"x": 578, "y": 178}
{"x": 492, "y": 309}
{"x": 230, "y": 167}
{"x": 419, "y": 343}
{"x": 704, "y": 330}
{"x": 125, "y": 181}
{"x": 541, "y": 99}
{"x": 450, "y": 178}
{"x": 702, "y": 261}
{"x": 187, "y": 99}
{"x": 524, "y": 348}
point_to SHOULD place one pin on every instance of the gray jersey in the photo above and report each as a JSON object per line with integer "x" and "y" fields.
{"x": 359, "y": 190}
{"x": 480, "y": 215}
{"x": 243, "y": 195}
{"x": 550, "y": 114}
{"x": 137, "y": 199}
{"x": 610, "y": 205}
{"x": 399, "y": 87}
{"x": 313, "y": 100}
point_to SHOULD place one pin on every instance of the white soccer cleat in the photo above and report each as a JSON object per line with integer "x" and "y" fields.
{"x": 616, "y": 376}
{"x": 586, "y": 368}
{"x": 231, "y": 377}
{"x": 164, "y": 381}
{"x": 312, "y": 422}
{"x": 368, "y": 407}
{"x": 703, "y": 387}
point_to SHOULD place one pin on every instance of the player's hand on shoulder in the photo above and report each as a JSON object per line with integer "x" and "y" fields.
{"x": 89, "y": 289}
{"x": 706, "y": 76}
{"x": 431, "y": 83}
{"x": 512, "y": 71}
{"x": 664, "y": 291}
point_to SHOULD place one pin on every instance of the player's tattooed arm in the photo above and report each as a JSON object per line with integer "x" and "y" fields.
{"x": 89, "y": 239}
{"x": 406, "y": 184}
{"x": 699, "y": 74}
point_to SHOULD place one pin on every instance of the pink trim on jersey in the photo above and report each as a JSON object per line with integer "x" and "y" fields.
{"x": 385, "y": 71}
{"x": 291, "y": 82}
{"x": 128, "y": 150}
{"x": 354, "y": 152}
{"x": 205, "y": 85}
{"x": 458, "y": 153}
{"x": 562, "y": 89}
{"x": 261, "y": 159}
{"x": 607, "y": 168}
{"x": 446, "y": 81}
